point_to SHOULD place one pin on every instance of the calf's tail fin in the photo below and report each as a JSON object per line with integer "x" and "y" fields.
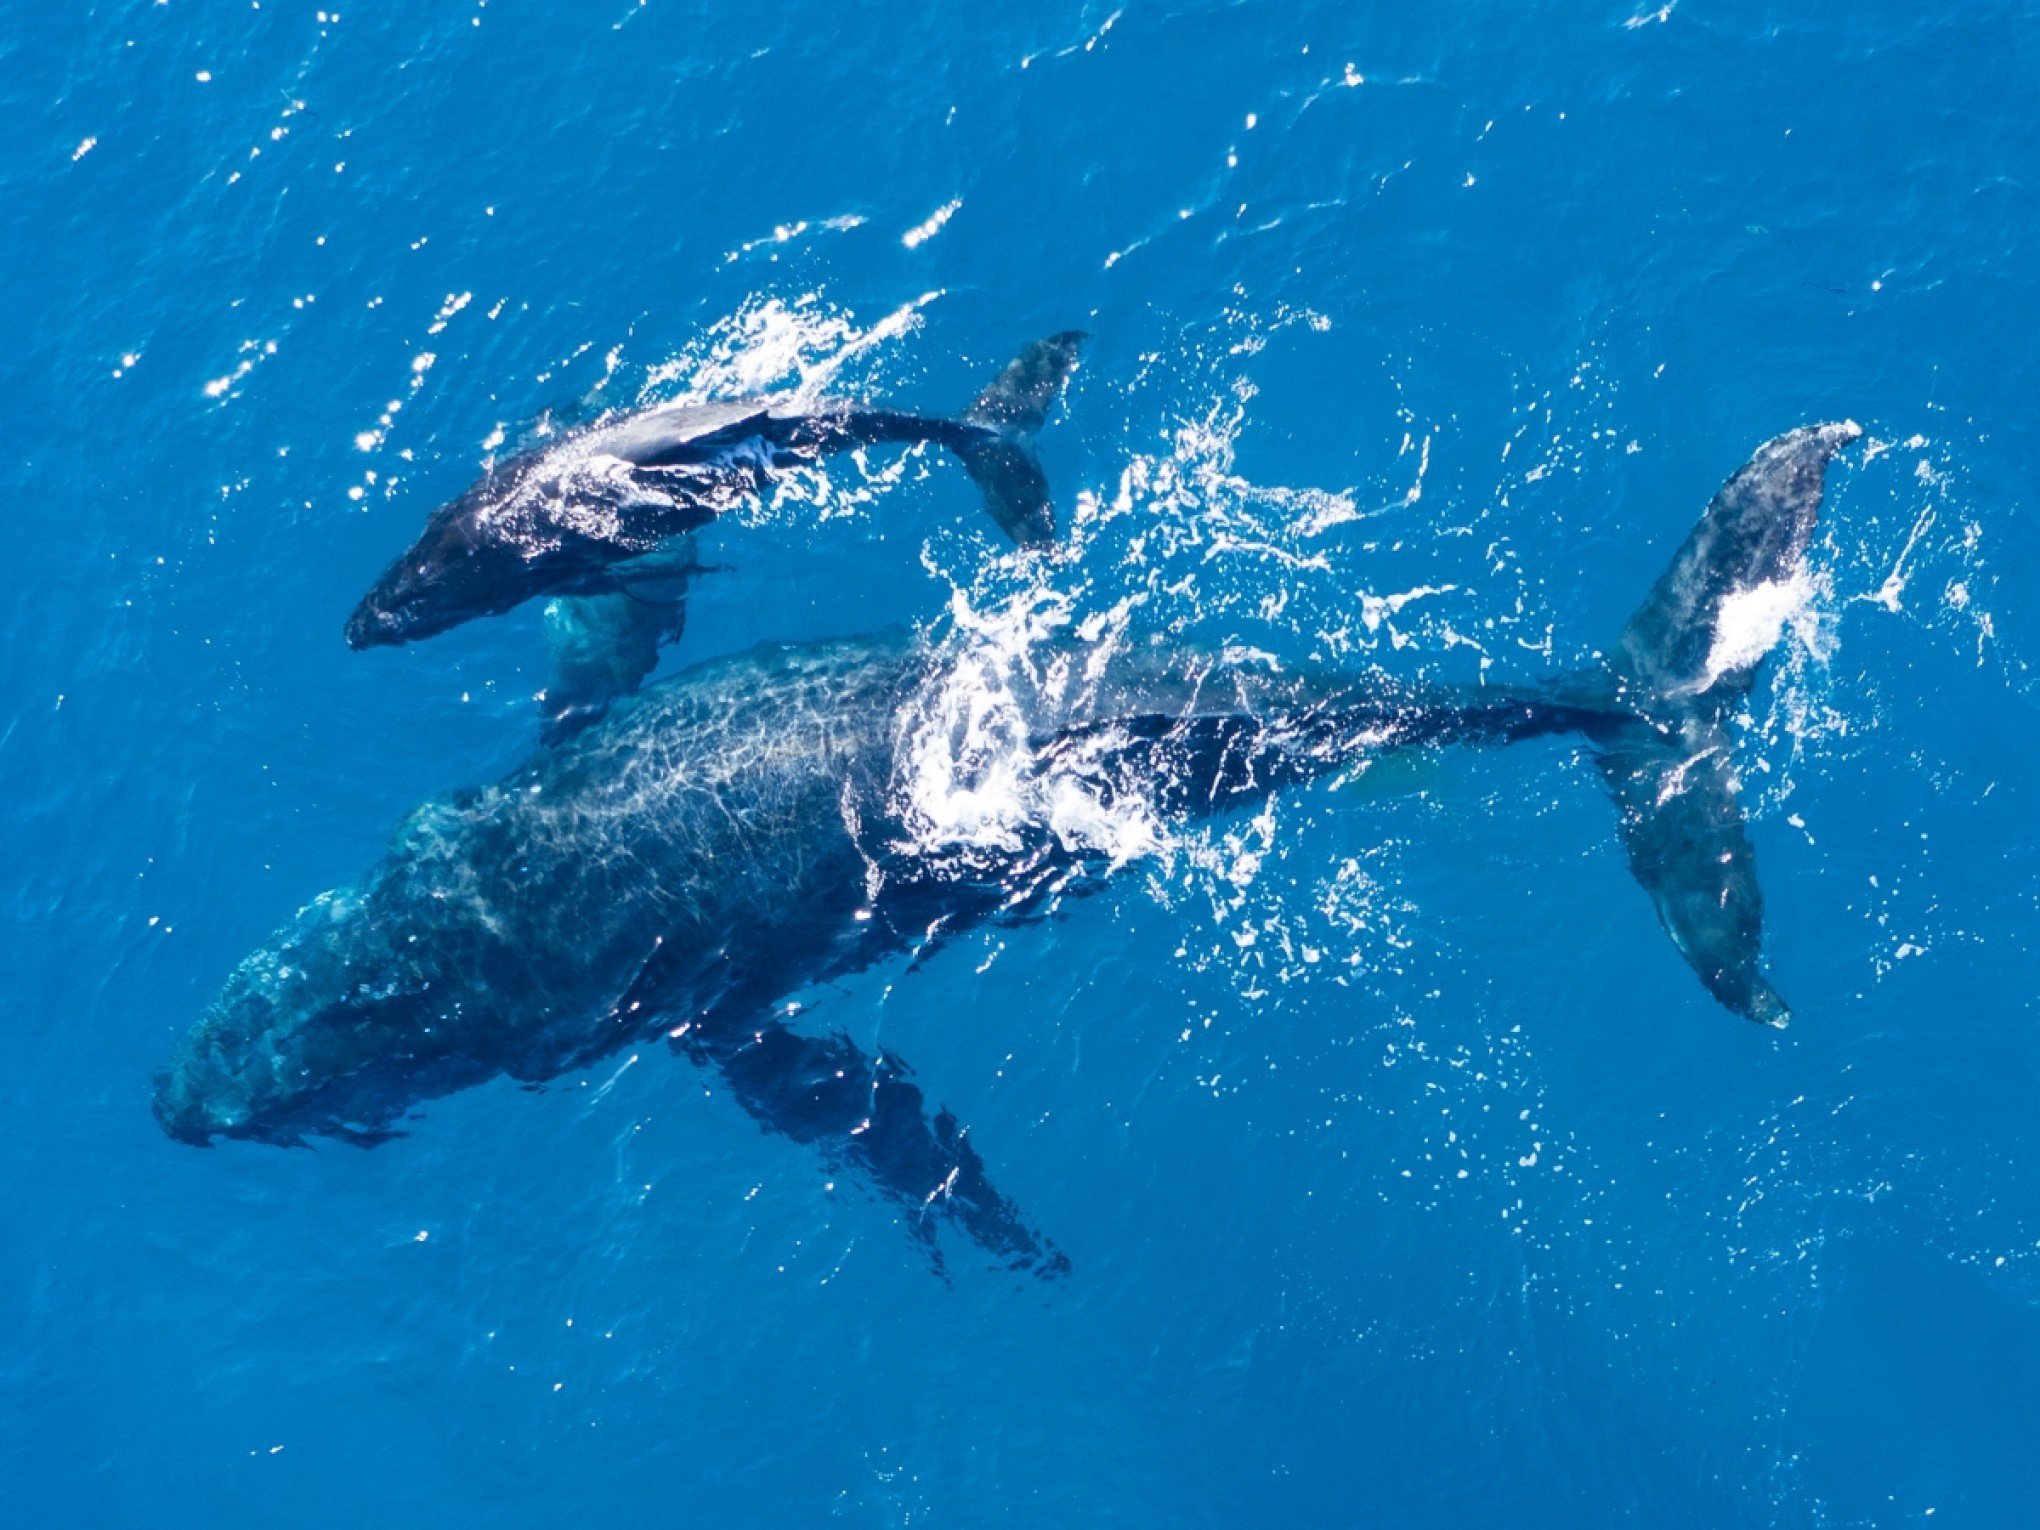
{"x": 999, "y": 453}
{"x": 1683, "y": 664}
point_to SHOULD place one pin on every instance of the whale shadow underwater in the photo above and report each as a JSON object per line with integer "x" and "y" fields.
{"x": 750, "y": 827}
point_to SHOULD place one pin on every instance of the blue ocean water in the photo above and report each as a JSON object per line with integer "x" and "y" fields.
{"x": 1405, "y": 1173}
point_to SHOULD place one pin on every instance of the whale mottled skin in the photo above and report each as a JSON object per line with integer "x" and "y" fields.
{"x": 729, "y": 836}
{"x": 569, "y": 517}
{"x": 1680, "y": 671}
{"x": 752, "y": 826}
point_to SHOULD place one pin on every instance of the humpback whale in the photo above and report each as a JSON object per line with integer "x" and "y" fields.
{"x": 572, "y": 516}
{"x": 752, "y": 826}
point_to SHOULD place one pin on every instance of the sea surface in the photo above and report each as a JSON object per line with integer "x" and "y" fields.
{"x": 1406, "y": 1175}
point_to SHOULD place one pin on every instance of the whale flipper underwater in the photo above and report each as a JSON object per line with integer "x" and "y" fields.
{"x": 603, "y": 646}
{"x": 568, "y": 516}
{"x": 750, "y": 827}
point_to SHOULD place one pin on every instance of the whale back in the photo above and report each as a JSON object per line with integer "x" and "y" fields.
{"x": 657, "y": 435}
{"x": 705, "y": 814}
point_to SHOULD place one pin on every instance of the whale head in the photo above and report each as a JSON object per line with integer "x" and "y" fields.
{"x": 475, "y": 560}
{"x": 456, "y": 572}
{"x": 328, "y": 1029}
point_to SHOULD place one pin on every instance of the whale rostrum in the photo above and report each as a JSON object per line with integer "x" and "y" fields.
{"x": 753, "y": 826}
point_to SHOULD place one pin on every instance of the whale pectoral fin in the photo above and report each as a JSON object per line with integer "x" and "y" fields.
{"x": 1682, "y": 826}
{"x": 866, "y": 1114}
{"x": 603, "y": 646}
{"x": 356, "y": 1136}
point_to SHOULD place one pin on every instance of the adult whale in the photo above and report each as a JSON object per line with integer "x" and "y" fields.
{"x": 761, "y": 823}
{"x": 572, "y": 516}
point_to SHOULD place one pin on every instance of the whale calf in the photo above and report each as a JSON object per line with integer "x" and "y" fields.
{"x": 572, "y": 515}
{"x": 753, "y": 826}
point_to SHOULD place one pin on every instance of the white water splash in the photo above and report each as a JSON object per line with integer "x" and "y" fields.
{"x": 1898, "y": 542}
{"x": 1749, "y": 623}
{"x": 801, "y": 350}
{"x": 930, "y": 226}
{"x": 1187, "y": 548}
{"x": 1939, "y": 551}
{"x": 773, "y": 345}
{"x": 1210, "y": 546}
{"x": 970, "y": 779}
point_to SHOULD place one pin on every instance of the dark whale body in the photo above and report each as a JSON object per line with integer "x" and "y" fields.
{"x": 1681, "y": 671}
{"x": 750, "y": 827}
{"x": 572, "y": 516}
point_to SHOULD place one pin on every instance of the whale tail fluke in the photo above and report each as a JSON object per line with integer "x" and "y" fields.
{"x": 999, "y": 455}
{"x": 1684, "y": 662}
{"x": 1676, "y": 791}
{"x": 1714, "y": 612}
